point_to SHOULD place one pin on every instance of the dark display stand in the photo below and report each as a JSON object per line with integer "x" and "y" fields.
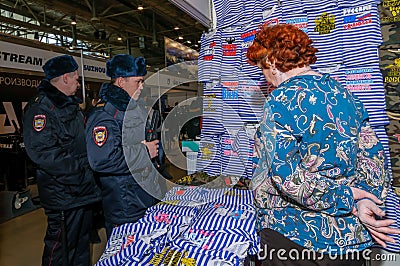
{"x": 13, "y": 174}
{"x": 14, "y": 203}
{"x": 15, "y": 198}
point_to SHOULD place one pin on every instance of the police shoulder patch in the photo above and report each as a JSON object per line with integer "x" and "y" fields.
{"x": 100, "y": 135}
{"x": 39, "y": 122}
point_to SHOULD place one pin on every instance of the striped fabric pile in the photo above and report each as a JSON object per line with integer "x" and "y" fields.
{"x": 191, "y": 226}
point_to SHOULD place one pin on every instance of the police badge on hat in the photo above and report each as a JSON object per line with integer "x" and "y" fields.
{"x": 39, "y": 122}
{"x": 100, "y": 135}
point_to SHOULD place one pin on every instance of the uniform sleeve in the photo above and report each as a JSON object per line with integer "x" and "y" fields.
{"x": 104, "y": 147}
{"x": 372, "y": 166}
{"x": 111, "y": 153}
{"x": 292, "y": 177}
{"x": 44, "y": 146}
{"x": 136, "y": 153}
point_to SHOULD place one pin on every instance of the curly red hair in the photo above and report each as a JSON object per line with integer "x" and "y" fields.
{"x": 285, "y": 45}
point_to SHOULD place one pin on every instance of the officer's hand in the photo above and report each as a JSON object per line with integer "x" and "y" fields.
{"x": 152, "y": 147}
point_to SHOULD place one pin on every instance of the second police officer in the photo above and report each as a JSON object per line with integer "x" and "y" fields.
{"x": 122, "y": 164}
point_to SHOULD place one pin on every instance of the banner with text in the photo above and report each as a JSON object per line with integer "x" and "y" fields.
{"x": 29, "y": 58}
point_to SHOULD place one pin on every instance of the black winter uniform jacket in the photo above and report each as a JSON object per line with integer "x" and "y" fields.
{"x": 129, "y": 180}
{"x": 54, "y": 138}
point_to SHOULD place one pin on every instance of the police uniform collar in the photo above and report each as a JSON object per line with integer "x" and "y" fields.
{"x": 115, "y": 95}
{"x": 58, "y": 98}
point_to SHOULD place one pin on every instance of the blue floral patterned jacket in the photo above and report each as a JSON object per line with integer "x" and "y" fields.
{"x": 315, "y": 142}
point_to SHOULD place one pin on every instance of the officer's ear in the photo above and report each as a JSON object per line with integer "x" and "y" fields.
{"x": 120, "y": 81}
{"x": 65, "y": 78}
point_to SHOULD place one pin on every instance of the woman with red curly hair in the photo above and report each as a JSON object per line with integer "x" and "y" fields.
{"x": 322, "y": 172}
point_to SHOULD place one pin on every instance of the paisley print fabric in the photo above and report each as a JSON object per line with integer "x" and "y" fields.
{"x": 315, "y": 142}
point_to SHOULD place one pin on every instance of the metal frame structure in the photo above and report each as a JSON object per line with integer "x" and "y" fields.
{"x": 102, "y": 27}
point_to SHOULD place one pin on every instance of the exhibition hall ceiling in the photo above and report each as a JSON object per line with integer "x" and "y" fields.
{"x": 103, "y": 27}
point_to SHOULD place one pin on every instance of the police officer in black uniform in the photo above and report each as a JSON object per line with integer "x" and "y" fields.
{"x": 128, "y": 178}
{"x": 54, "y": 139}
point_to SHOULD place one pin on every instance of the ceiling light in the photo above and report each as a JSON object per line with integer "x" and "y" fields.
{"x": 188, "y": 41}
{"x": 119, "y": 39}
{"x": 176, "y": 28}
{"x": 180, "y": 38}
{"x": 73, "y": 21}
{"x": 140, "y": 7}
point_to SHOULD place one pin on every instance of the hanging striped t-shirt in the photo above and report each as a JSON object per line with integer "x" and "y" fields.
{"x": 356, "y": 3}
{"x": 365, "y": 55}
{"x": 251, "y": 101}
{"x": 292, "y": 6}
{"x": 209, "y": 156}
{"x": 231, "y": 163}
{"x": 366, "y": 84}
{"x": 309, "y": 5}
{"x": 243, "y": 145}
{"x": 229, "y": 12}
{"x": 300, "y": 20}
{"x": 252, "y": 11}
{"x": 323, "y": 29}
{"x": 212, "y": 122}
{"x": 360, "y": 24}
{"x": 231, "y": 102}
{"x": 231, "y": 43}
{"x": 210, "y": 56}
{"x": 248, "y": 71}
{"x": 271, "y": 13}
